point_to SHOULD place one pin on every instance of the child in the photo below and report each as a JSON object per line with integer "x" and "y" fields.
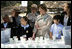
{"x": 6, "y": 28}
{"x": 24, "y": 28}
{"x": 7, "y": 23}
{"x": 56, "y": 28}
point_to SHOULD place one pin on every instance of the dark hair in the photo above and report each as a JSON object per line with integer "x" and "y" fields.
{"x": 17, "y": 11}
{"x": 43, "y": 6}
{"x": 6, "y": 17}
{"x": 26, "y": 19}
{"x": 57, "y": 17}
{"x": 69, "y": 7}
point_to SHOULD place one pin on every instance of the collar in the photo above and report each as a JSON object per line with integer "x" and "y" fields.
{"x": 26, "y": 26}
{"x": 5, "y": 23}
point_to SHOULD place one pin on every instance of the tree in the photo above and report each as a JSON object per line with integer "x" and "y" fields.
{"x": 9, "y": 3}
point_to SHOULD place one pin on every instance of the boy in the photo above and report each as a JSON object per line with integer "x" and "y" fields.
{"x": 7, "y": 23}
{"x": 56, "y": 28}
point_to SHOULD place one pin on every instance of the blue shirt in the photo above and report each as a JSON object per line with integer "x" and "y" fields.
{"x": 5, "y": 25}
{"x": 26, "y": 26}
{"x": 56, "y": 29}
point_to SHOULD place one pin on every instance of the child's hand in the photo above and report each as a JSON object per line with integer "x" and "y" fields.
{"x": 50, "y": 35}
{"x": 51, "y": 38}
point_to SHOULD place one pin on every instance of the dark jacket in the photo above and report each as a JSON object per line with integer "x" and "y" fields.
{"x": 19, "y": 31}
{"x": 9, "y": 25}
{"x": 16, "y": 20}
{"x": 62, "y": 19}
{"x": 13, "y": 28}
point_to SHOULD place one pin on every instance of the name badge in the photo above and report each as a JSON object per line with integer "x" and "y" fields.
{"x": 27, "y": 31}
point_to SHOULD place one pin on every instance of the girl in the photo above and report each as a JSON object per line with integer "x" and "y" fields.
{"x": 24, "y": 28}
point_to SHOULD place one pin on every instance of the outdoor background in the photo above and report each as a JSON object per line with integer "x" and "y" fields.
{"x": 54, "y": 7}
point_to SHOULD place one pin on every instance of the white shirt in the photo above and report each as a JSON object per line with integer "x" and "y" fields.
{"x": 25, "y": 26}
{"x": 65, "y": 20}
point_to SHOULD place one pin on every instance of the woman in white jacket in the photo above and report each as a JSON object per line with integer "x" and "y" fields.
{"x": 43, "y": 23}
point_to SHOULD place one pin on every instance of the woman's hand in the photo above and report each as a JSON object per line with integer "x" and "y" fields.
{"x": 37, "y": 26}
{"x": 33, "y": 37}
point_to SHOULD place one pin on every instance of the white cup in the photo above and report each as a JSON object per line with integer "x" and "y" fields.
{"x": 16, "y": 40}
{"x": 36, "y": 39}
{"x": 54, "y": 37}
{"x": 14, "y": 37}
{"x": 41, "y": 38}
{"x": 11, "y": 40}
{"x": 22, "y": 39}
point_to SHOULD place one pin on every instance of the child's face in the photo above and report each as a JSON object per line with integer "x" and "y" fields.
{"x": 6, "y": 19}
{"x": 23, "y": 22}
{"x": 56, "y": 21}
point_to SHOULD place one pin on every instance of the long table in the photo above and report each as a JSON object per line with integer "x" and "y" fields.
{"x": 36, "y": 44}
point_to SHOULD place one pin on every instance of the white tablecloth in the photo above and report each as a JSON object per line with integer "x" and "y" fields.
{"x": 5, "y": 35}
{"x": 37, "y": 44}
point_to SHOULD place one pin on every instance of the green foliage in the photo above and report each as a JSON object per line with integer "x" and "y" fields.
{"x": 17, "y": 4}
{"x": 9, "y": 3}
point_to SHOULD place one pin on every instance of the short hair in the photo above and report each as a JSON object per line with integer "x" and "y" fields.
{"x": 5, "y": 16}
{"x": 26, "y": 19}
{"x": 43, "y": 6}
{"x": 57, "y": 17}
{"x": 34, "y": 5}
